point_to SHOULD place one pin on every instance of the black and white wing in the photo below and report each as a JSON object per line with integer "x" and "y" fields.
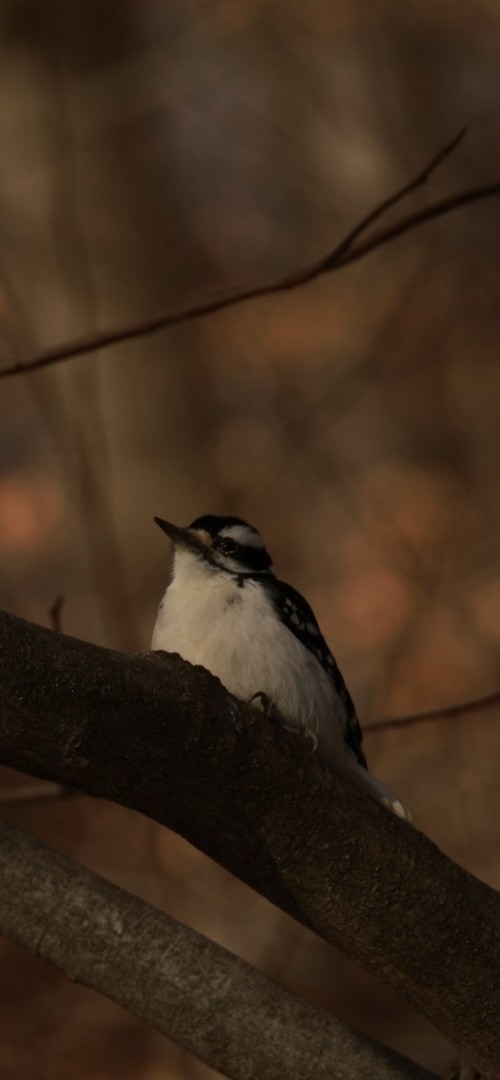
{"x": 298, "y": 616}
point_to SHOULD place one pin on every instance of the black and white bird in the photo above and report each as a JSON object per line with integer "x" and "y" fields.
{"x": 226, "y": 610}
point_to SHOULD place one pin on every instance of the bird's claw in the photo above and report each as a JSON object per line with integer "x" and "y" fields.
{"x": 268, "y": 707}
{"x": 314, "y": 737}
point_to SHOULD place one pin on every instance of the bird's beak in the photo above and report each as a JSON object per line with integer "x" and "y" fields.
{"x": 187, "y": 538}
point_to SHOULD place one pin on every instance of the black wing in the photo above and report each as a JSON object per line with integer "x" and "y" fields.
{"x": 299, "y": 617}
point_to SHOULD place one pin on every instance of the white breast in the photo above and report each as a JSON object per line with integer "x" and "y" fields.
{"x": 232, "y": 630}
{"x": 235, "y": 633}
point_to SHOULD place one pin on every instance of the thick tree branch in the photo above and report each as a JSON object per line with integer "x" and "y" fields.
{"x": 199, "y": 994}
{"x": 157, "y": 735}
{"x": 357, "y": 243}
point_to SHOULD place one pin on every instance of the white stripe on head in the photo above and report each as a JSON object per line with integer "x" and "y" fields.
{"x": 243, "y": 534}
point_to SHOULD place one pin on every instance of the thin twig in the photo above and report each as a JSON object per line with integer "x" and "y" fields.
{"x": 445, "y": 712}
{"x": 345, "y": 252}
{"x": 55, "y": 613}
{"x": 398, "y": 196}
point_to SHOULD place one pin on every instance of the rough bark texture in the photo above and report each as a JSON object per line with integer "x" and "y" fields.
{"x": 164, "y": 738}
{"x": 215, "y": 1005}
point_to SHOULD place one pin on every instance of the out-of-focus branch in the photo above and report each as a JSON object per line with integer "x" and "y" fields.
{"x": 28, "y": 792}
{"x": 444, "y": 712}
{"x": 199, "y": 994}
{"x": 417, "y": 181}
{"x": 350, "y": 248}
{"x": 55, "y": 610}
{"x": 163, "y": 737}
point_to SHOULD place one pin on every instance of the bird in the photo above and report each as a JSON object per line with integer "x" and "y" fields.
{"x": 226, "y": 610}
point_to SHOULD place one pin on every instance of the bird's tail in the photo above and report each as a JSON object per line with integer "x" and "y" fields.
{"x": 378, "y": 791}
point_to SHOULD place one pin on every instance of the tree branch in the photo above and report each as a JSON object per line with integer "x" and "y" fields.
{"x": 158, "y": 735}
{"x": 443, "y": 712}
{"x": 350, "y": 249}
{"x": 199, "y": 994}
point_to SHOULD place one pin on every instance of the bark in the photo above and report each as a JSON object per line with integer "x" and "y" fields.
{"x": 213, "y": 1004}
{"x": 158, "y": 735}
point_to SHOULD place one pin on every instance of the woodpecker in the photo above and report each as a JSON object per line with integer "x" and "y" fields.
{"x": 226, "y": 610}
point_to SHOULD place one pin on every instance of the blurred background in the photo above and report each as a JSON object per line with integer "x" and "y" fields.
{"x": 156, "y": 152}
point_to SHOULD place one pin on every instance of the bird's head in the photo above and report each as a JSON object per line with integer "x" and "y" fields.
{"x": 224, "y": 543}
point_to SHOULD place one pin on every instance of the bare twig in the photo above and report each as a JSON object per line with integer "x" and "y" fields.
{"x": 55, "y": 613}
{"x": 345, "y": 252}
{"x": 445, "y": 712}
{"x": 418, "y": 181}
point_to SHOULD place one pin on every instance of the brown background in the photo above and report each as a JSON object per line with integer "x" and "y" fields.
{"x": 152, "y": 153}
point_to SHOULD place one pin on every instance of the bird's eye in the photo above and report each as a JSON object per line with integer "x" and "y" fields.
{"x": 225, "y": 545}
